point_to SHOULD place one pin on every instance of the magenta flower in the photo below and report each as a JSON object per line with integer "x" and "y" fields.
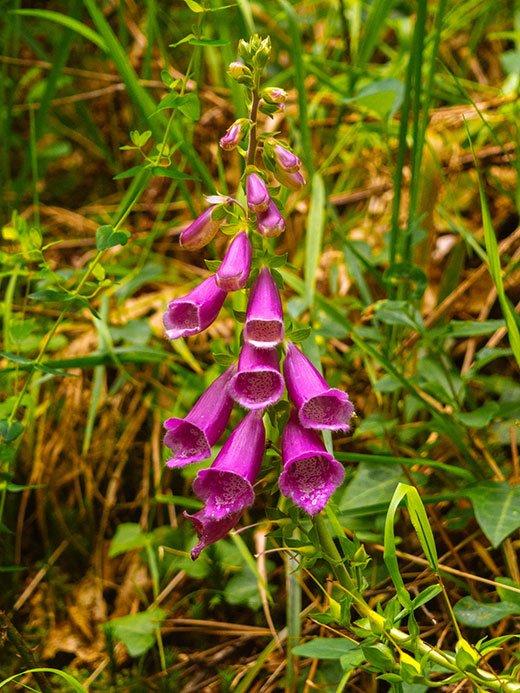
{"x": 271, "y": 223}
{"x": 232, "y": 137}
{"x": 264, "y": 316}
{"x": 285, "y": 159}
{"x": 294, "y": 180}
{"x": 310, "y": 473}
{"x": 194, "y": 312}
{"x": 191, "y": 438}
{"x": 258, "y": 382}
{"x": 227, "y": 486}
{"x": 234, "y": 271}
{"x": 256, "y": 193}
{"x": 201, "y": 231}
{"x": 319, "y": 406}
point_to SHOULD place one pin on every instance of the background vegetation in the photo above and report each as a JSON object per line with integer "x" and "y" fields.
{"x": 403, "y": 254}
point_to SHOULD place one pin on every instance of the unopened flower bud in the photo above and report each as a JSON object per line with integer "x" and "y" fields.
{"x": 201, "y": 231}
{"x": 271, "y": 223}
{"x": 232, "y": 137}
{"x": 256, "y": 193}
{"x": 285, "y": 159}
{"x": 240, "y": 72}
{"x": 274, "y": 95}
{"x": 294, "y": 180}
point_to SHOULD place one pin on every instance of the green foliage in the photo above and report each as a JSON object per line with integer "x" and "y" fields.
{"x": 137, "y": 632}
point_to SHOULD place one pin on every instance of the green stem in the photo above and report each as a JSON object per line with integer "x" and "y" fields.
{"x": 404, "y": 640}
{"x": 294, "y": 606}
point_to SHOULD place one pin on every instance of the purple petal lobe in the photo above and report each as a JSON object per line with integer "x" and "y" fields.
{"x": 200, "y": 232}
{"x": 209, "y": 529}
{"x": 310, "y": 473}
{"x": 190, "y": 439}
{"x": 258, "y": 382}
{"x": 194, "y": 312}
{"x": 256, "y": 193}
{"x": 223, "y": 492}
{"x": 271, "y": 223}
{"x": 319, "y": 406}
{"x": 234, "y": 271}
{"x": 264, "y": 316}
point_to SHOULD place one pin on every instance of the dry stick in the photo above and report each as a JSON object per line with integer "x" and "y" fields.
{"x": 39, "y": 576}
{"x": 16, "y": 640}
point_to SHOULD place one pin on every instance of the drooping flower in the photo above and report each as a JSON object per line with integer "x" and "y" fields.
{"x": 234, "y": 271}
{"x": 227, "y": 486}
{"x": 294, "y": 180}
{"x": 258, "y": 382}
{"x": 191, "y": 438}
{"x": 201, "y": 231}
{"x": 310, "y": 474}
{"x": 256, "y": 193}
{"x": 285, "y": 159}
{"x": 232, "y": 136}
{"x": 194, "y": 312}
{"x": 264, "y": 315}
{"x": 319, "y": 405}
{"x": 271, "y": 223}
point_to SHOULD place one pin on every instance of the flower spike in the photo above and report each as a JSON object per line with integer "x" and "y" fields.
{"x": 319, "y": 406}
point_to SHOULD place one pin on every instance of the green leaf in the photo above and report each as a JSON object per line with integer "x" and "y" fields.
{"x": 194, "y": 6}
{"x": 373, "y": 483}
{"x": 326, "y": 648}
{"x": 10, "y": 431}
{"x": 207, "y": 41}
{"x": 188, "y": 104}
{"x": 137, "y": 631}
{"x": 107, "y": 237}
{"x": 314, "y": 236}
{"x": 170, "y": 172}
{"x": 128, "y": 536}
{"x": 243, "y": 589}
{"x": 481, "y": 615}
{"x": 497, "y": 509}
{"x": 74, "y": 684}
{"x": 65, "y": 20}
{"x": 507, "y": 595}
{"x": 478, "y": 418}
{"x": 130, "y": 172}
{"x": 383, "y": 98}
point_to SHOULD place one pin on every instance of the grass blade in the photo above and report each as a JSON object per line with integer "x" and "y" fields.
{"x": 314, "y": 236}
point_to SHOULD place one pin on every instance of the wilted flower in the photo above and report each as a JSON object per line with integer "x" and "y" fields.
{"x": 319, "y": 405}
{"x": 271, "y": 223}
{"x": 258, "y": 382}
{"x": 194, "y": 312}
{"x": 256, "y": 193}
{"x": 234, "y": 271}
{"x": 232, "y": 137}
{"x": 191, "y": 438}
{"x": 310, "y": 474}
{"x": 264, "y": 315}
{"x": 285, "y": 159}
{"x": 201, "y": 231}
{"x": 227, "y": 486}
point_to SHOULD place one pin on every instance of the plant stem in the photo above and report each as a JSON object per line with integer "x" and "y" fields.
{"x": 253, "y": 142}
{"x": 479, "y": 676}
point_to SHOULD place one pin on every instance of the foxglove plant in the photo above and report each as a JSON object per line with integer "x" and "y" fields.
{"x": 310, "y": 473}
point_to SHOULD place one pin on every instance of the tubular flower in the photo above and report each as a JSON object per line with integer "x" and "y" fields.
{"x": 285, "y": 159}
{"x": 234, "y": 271}
{"x": 319, "y": 406}
{"x": 256, "y": 193}
{"x": 194, "y": 312}
{"x": 264, "y": 315}
{"x": 258, "y": 382}
{"x": 271, "y": 223}
{"x": 232, "y": 137}
{"x": 294, "y": 180}
{"x": 201, "y": 231}
{"x": 227, "y": 486}
{"x": 310, "y": 474}
{"x": 190, "y": 439}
